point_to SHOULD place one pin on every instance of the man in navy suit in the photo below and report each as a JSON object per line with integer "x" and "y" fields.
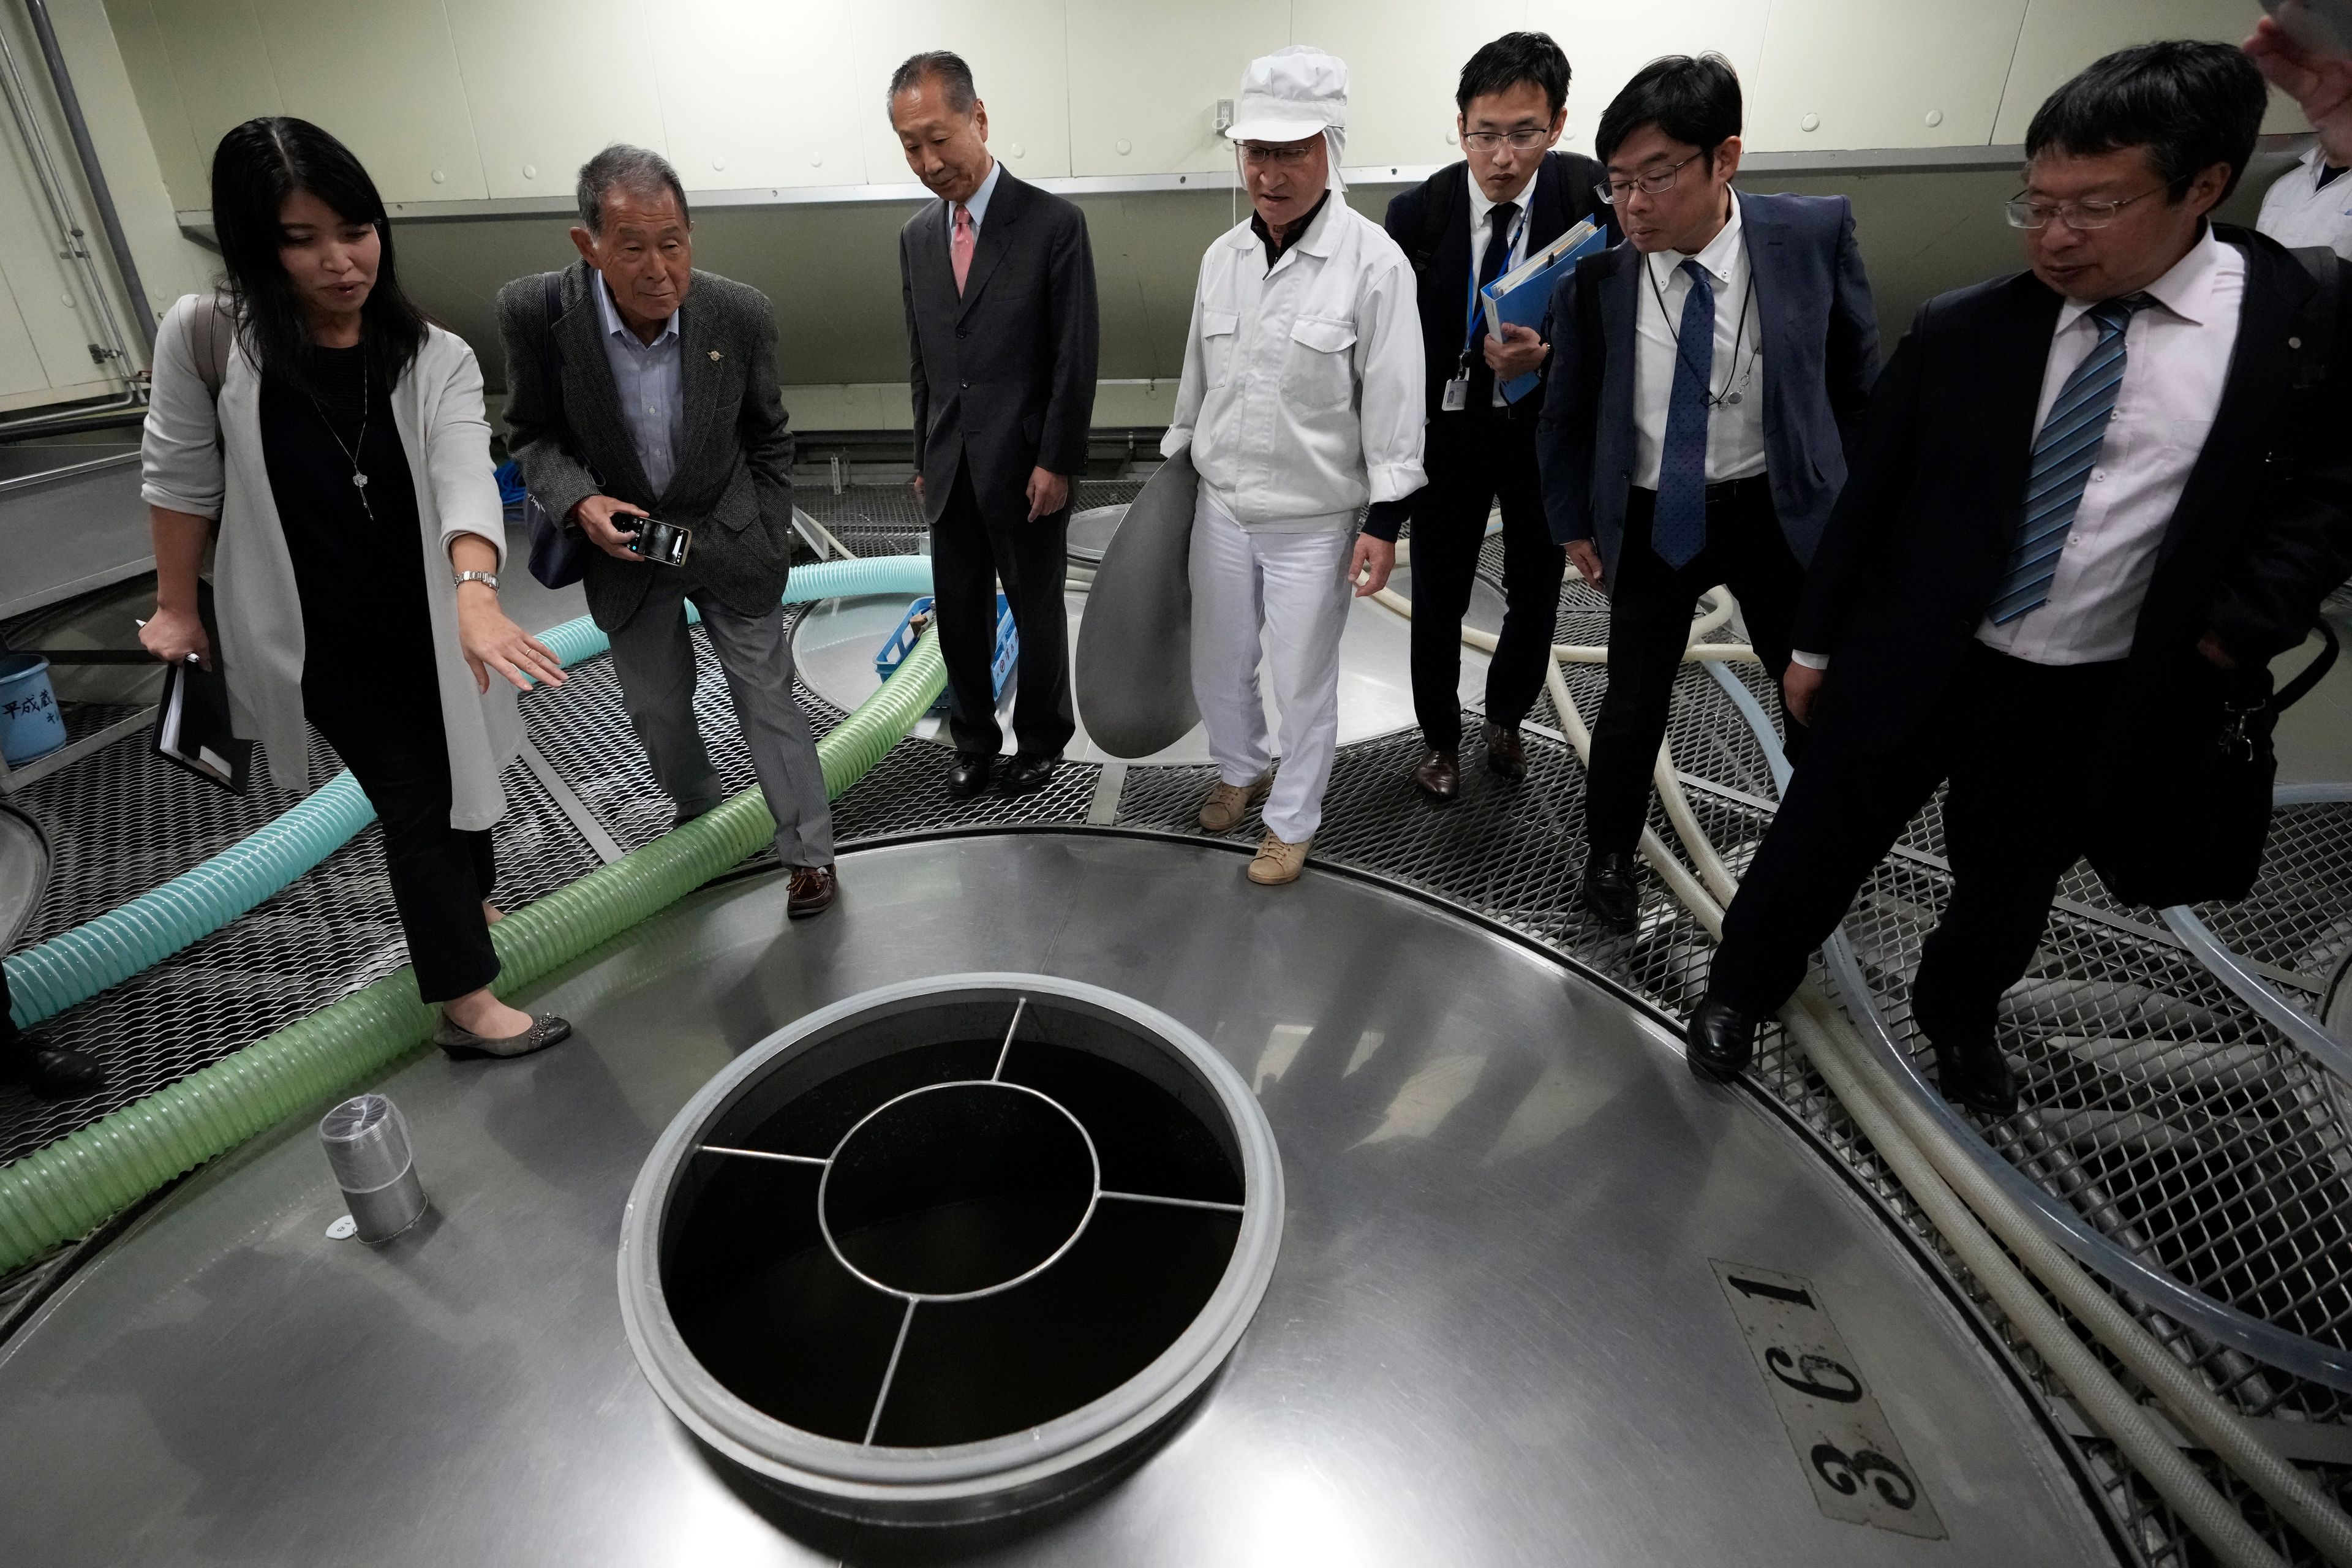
{"x": 2092, "y": 501}
{"x": 1707, "y": 378}
{"x": 1463, "y": 228}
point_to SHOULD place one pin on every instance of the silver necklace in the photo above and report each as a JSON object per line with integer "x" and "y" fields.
{"x": 351, "y": 451}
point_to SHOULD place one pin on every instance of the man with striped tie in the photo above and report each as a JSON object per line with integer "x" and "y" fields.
{"x": 2091, "y": 502}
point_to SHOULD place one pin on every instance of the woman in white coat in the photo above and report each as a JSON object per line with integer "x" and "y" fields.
{"x": 327, "y": 443}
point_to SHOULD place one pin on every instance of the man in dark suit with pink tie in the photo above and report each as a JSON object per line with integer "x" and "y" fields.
{"x": 1002, "y": 335}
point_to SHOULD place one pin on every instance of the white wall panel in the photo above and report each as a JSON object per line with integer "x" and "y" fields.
{"x": 382, "y": 75}
{"x": 168, "y": 264}
{"x": 1147, "y": 77}
{"x": 1020, "y": 60}
{"x": 545, "y": 98}
{"x": 1405, "y": 59}
{"x": 223, "y": 70}
{"x": 1881, "y": 73}
{"x": 2061, "y": 37}
{"x": 756, "y": 93}
{"x": 162, "y": 109}
{"x": 1607, "y": 40}
{"x": 47, "y": 346}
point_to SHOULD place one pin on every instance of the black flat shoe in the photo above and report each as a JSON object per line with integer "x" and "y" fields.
{"x": 1721, "y": 1039}
{"x": 1977, "y": 1076}
{"x": 1026, "y": 774}
{"x": 53, "y": 1072}
{"x": 1610, "y": 892}
{"x": 967, "y": 774}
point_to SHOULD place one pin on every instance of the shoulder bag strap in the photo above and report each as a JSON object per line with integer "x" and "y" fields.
{"x": 1437, "y": 193}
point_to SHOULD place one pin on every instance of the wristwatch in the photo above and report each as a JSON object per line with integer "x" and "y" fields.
{"x": 465, "y": 577}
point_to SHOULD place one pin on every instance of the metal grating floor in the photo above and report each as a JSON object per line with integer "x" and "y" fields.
{"x": 2159, "y": 1105}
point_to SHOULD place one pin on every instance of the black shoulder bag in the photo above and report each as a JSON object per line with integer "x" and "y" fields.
{"x": 2190, "y": 829}
{"x": 559, "y": 555}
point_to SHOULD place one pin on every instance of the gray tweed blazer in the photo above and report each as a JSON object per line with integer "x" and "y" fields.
{"x": 733, "y": 485}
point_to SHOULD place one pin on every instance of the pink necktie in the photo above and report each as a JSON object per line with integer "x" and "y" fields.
{"x": 960, "y": 246}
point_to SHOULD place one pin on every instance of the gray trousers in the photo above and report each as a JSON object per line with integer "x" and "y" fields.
{"x": 654, "y": 656}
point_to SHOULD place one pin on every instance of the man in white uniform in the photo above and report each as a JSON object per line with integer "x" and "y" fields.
{"x": 2311, "y": 203}
{"x": 1301, "y": 400}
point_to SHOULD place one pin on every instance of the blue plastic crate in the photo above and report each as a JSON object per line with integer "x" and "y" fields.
{"x": 919, "y": 620}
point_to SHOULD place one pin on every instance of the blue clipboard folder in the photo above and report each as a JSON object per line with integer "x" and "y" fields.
{"x": 1522, "y": 295}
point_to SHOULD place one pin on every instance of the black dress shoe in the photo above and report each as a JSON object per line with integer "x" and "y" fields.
{"x": 1026, "y": 773}
{"x": 1439, "y": 776}
{"x": 1721, "y": 1039}
{"x": 1977, "y": 1076}
{"x": 52, "y": 1072}
{"x": 1609, "y": 890}
{"x": 1505, "y": 753}
{"x": 968, "y": 775}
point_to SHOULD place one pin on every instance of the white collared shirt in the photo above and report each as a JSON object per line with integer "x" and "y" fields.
{"x": 1302, "y": 395}
{"x": 977, "y": 206}
{"x": 1482, "y": 224}
{"x": 647, "y": 377}
{"x": 1735, "y": 431}
{"x": 2176, "y": 359}
{"x": 2298, "y": 210}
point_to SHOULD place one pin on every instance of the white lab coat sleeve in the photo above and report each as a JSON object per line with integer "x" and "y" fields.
{"x": 1190, "y": 386}
{"x": 1390, "y": 368}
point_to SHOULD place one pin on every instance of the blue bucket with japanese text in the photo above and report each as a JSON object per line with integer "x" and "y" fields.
{"x": 30, "y": 724}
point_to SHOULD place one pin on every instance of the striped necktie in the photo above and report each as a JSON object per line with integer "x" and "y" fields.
{"x": 2064, "y": 456}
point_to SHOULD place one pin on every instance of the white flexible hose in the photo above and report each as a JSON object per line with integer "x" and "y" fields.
{"x": 1924, "y": 1159}
{"x": 2191, "y": 1403}
{"x": 2103, "y": 1400}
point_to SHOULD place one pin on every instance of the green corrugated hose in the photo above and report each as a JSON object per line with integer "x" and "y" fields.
{"x": 74, "y": 966}
{"x": 71, "y": 1186}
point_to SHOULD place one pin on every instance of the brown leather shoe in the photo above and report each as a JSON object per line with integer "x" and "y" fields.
{"x": 810, "y": 893}
{"x": 1439, "y": 775}
{"x": 1505, "y": 753}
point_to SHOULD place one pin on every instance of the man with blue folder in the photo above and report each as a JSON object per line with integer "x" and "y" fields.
{"x": 1465, "y": 226}
{"x": 1706, "y": 383}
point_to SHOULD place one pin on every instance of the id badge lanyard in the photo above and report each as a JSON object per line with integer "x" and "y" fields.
{"x": 1457, "y": 391}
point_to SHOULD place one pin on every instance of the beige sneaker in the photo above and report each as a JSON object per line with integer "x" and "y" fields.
{"x": 1277, "y": 862}
{"x": 1228, "y": 803}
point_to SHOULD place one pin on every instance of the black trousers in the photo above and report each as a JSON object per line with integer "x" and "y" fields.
{"x": 1650, "y": 607}
{"x": 2018, "y": 742}
{"x": 1475, "y": 461}
{"x": 968, "y": 557}
{"x": 392, "y": 741}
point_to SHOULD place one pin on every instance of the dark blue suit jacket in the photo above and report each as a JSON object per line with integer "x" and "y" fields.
{"x": 1820, "y": 340}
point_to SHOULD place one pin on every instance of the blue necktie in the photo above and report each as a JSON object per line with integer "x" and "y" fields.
{"x": 1678, "y": 526}
{"x": 1490, "y": 266}
{"x": 2064, "y": 456}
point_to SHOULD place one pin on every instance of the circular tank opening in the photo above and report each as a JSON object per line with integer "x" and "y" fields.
{"x": 953, "y": 1247}
{"x": 957, "y": 1190}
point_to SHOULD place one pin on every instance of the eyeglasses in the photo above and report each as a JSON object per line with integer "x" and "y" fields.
{"x": 1657, "y": 183}
{"x": 2022, "y": 214}
{"x": 1522, "y": 140}
{"x": 1252, "y": 152}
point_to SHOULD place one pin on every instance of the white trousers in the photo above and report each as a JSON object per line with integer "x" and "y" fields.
{"x": 1294, "y": 587}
